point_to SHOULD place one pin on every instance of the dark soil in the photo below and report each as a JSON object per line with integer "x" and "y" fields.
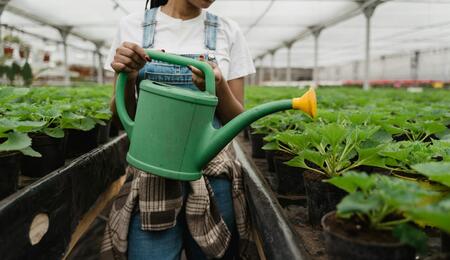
{"x": 357, "y": 231}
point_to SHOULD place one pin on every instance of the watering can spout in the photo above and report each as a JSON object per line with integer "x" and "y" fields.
{"x": 221, "y": 137}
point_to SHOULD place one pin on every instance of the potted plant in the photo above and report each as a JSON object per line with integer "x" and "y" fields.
{"x": 14, "y": 142}
{"x": 329, "y": 150}
{"x": 373, "y": 221}
{"x": 436, "y": 215}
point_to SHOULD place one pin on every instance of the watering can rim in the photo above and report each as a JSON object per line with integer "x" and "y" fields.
{"x": 188, "y": 95}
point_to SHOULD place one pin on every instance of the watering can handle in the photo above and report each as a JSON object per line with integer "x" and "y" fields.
{"x": 210, "y": 80}
{"x": 122, "y": 78}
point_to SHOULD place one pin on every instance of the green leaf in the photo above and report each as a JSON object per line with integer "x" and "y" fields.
{"x": 271, "y": 146}
{"x": 435, "y": 171}
{"x": 15, "y": 142}
{"x": 30, "y": 152}
{"x": 357, "y": 202}
{"x": 334, "y": 133}
{"x": 433, "y": 127}
{"x": 54, "y": 132}
{"x": 370, "y": 157}
{"x": 412, "y": 236}
{"x": 353, "y": 181}
{"x": 314, "y": 157}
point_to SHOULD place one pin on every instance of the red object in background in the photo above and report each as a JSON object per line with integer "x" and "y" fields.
{"x": 46, "y": 57}
{"x": 8, "y": 51}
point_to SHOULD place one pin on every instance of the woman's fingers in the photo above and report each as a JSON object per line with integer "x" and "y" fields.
{"x": 119, "y": 67}
{"x": 196, "y": 72}
{"x": 132, "y": 55}
{"x": 129, "y": 57}
{"x": 137, "y": 49}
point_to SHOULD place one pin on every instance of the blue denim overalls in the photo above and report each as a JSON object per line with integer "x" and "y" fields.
{"x": 168, "y": 244}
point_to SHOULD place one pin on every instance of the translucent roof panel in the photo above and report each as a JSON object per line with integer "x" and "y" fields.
{"x": 397, "y": 26}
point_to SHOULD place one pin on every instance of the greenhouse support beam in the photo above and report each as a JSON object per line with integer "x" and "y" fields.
{"x": 100, "y": 78}
{"x": 40, "y": 20}
{"x": 368, "y": 13}
{"x": 64, "y": 31}
{"x": 333, "y": 21}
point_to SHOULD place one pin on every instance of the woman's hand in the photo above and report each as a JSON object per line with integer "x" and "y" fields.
{"x": 198, "y": 78}
{"x": 129, "y": 58}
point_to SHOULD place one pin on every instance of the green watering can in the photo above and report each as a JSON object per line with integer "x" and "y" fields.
{"x": 173, "y": 134}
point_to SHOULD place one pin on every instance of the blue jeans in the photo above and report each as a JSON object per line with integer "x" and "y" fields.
{"x": 168, "y": 244}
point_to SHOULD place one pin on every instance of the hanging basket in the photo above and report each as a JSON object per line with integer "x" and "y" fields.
{"x": 23, "y": 52}
{"x": 46, "y": 58}
{"x": 8, "y": 51}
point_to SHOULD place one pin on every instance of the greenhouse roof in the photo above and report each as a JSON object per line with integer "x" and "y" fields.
{"x": 269, "y": 25}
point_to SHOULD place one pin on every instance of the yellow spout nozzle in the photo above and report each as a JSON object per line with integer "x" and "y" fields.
{"x": 306, "y": 103}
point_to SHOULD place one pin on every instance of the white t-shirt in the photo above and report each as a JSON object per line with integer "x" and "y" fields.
{"x": 187, "y": 37}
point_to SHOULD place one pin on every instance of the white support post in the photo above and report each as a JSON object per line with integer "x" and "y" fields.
{"x": 368, "y": 12}
{"x": 415, "y": 59}
{"x": 64, "y": 32}
{"x": 272, "y": 65}
{"x": 94, "y": 66}
{"x": 100, "y": 78}
{"x": 288, "y": 63}
{"x": 253, "y": 76}
{"x": 316, "y": 30}
{"x": 261, "y": 70}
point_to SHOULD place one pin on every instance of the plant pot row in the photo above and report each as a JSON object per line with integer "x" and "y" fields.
{"x": 54, "y": 151}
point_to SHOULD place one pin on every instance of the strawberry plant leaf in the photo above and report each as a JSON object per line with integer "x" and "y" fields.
{"x": 15, "y": 142}
{"x": 435, "y": 171}
{"x": 412, "y": 236}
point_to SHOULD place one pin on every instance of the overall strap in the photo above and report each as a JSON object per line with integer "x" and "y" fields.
{"x": 149, "y": 26}
{"x": 211, "y": 25}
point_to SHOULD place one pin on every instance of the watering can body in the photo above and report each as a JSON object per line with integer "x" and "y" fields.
{"x": 172, "y": 134}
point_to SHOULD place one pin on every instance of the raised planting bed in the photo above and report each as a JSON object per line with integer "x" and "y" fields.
{"x": 45, "y": 219}
{"x": 309, "y": 241}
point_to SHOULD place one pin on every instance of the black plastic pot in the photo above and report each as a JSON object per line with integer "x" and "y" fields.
{"x": 103, "y": 133}
{"x": 52, "y": 151}
{"x": 257, "y": 144}
{"x": 269, "y": 157}
{"x": 9, "y": 173}
{"x": 321, "y": 197}
{"x": 80, "y": 142}
{"x": 445, "y": 242}
{"x": 113, "y": 130}
{"x": 344, "y": 247}
{"x": 290, "y": 179}
{"x": 246, "y": 133}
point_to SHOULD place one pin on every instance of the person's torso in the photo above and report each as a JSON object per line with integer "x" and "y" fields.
{"x": 183, "y": 36}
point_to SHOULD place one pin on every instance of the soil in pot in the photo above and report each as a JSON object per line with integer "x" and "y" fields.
{"x": 103, "y": 133}
{"x": 445, "y": 242}
{"x": 9, "y": 173}
{"x": 257, "y": 144}
{"x": 321, "y": 197}
{"x": 80, "y": 142}
{"x": 290, "y": 179}
{"x": 52, "y": 151}
{"x": 347, "y": 239}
